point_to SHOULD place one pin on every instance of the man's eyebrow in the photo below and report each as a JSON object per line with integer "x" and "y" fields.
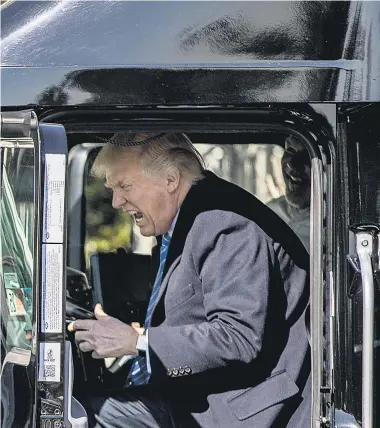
{"x": 120, "y": 183}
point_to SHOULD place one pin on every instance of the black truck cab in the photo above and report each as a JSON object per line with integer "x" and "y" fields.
{"x": 239, "y": 78}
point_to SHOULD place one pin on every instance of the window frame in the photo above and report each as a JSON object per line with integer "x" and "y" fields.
{"x": 319, "y": 139}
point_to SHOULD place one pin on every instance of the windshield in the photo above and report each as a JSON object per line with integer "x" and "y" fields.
{"x": 16, "y": 247}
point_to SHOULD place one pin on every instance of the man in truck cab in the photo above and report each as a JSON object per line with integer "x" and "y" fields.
{"x": 294, "y": 206}
{"x": 224, "y": 342}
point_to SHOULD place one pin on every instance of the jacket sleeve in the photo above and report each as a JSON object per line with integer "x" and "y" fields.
{"x": 234, "y": 260}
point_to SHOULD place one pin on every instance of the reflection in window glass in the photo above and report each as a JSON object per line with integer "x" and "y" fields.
{"x": 16, "y": 247}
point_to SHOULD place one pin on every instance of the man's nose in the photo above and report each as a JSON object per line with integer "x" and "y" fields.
{"x": 117, "y": 200}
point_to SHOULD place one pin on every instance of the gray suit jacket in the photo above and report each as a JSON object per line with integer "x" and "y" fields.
{"x": 228, "y": 340}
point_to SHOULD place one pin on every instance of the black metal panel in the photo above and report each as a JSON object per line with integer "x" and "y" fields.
{"x": 151, "y": 53}
{"x": 126, "y": 33}
{"x": 70, "y": 86}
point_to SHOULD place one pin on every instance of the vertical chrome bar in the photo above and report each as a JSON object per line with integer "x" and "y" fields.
{"x": 316, "y": 289}
{"x": 364, "y": 248}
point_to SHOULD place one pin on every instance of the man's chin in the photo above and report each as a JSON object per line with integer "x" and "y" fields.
{"x": 300, "y": 202}
{"x": 145, "y": 232}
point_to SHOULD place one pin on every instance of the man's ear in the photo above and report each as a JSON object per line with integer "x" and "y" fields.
{"x": 173, "y": 178}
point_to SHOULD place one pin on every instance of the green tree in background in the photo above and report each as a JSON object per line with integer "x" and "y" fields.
{"x": 106, "y": 228}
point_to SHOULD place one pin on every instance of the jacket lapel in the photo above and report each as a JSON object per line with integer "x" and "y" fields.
{"x": 191, "y": 207}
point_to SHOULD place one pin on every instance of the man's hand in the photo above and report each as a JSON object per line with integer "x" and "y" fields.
{"x": 105, "y": 337}
{"x": 136, "y": 325}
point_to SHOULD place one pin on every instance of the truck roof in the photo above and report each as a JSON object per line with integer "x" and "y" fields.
{"x": 187, "y": 52}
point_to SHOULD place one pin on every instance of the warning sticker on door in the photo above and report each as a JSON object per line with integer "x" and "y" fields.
{"x": 52, "y": 271}
{"x": 11, "y": 280}
{"x": 15, "y": 299}
{"x": 50, "y": 362}
{"x": 54, "y": 203}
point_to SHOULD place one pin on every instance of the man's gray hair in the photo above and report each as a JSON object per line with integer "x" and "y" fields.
{"x": 157, "y": 153}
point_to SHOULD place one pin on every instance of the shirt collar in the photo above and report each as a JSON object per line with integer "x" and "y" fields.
{"x": 171, "y": 229}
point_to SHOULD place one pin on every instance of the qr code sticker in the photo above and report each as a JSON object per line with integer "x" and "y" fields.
{"x": 49, "y": 371}
{"x": 50, "y": 362}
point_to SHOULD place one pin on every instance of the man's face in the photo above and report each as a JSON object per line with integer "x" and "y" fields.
{"x": 296, "y": 171}
{"x": 151, "y": 200}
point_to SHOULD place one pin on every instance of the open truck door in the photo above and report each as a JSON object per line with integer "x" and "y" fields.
{"x": 37, "y": 368}
{"x": 357, "y": 293}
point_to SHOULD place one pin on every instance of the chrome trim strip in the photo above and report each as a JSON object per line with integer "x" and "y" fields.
{"x": 316, "y": 288}
{"x": 17, "y": 143}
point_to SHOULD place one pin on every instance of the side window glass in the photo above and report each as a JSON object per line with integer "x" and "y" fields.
{"x": 255, "y": 167}
{"x": 279, "y": 178}
{"x": 16, "y": 247}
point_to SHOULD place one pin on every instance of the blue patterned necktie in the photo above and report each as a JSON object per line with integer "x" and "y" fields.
{"x": 139, "y": 374}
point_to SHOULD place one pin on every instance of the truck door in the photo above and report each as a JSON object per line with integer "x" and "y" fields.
{"x": 36, "y": 373}
{"x": 358, "y": 293}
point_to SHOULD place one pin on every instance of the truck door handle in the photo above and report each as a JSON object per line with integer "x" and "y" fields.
{"x": 364, "y": 249}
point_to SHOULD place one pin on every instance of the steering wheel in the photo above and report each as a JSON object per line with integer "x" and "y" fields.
{"x": 73, "y": 312}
